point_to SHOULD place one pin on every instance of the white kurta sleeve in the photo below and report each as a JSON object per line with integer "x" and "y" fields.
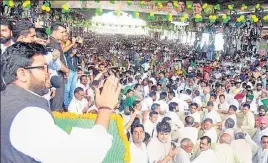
{"x": 34, "y": 133}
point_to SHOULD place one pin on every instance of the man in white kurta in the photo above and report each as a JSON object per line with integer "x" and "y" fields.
{"x": 210, "y": 131}
{"x": 138, "y": 149}
{"x": 242, "y": 148}
{"x": 248, "y": 123}
{"x": 158, "y": 148}
{"x": 207, "y": 155}
{"x": 150, "y": 124}
{"x": 224, "y": 150}
{"x": 185, "y": 150}
{"x": 262, "y": 155}
{"x": 188, "y": 131}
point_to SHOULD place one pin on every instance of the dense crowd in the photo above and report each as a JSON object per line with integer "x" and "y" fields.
{"x": 179, "y": 104}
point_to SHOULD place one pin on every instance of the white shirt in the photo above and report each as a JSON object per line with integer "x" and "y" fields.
{"x": 146, "y": 104}
{"x": 163, "y": 105}
{"x": 224, "y": 106}
{"x": 157, "y": 150}
{"x": 149, "y": 126}
{"x": 77, "y": 106}
{"x": 261, "y": 156}
{"x": 208, "y": 156}
{"x": 146, "y": 91}
{"x": 224, "y": 153}
{"x": 196, "y": 116}
{"x": 176, "y": 123}
{"x": 182, "y": 157}
{"x": 259, "y": 134}
{"x": 212, "y": 133}
{"x": 85, "y": 87}
{"x": 242, "y": 150}
{"x": 214, "y": 116}
{"x": 46, "y": 142}
{"x": 188, "y": 132}
{"x": 138, "y": 155}
{"x": 198, "y": 100}
{"x": 3, "y": 47}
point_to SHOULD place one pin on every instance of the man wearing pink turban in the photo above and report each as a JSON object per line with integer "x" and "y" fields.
{"x": 262, "y": 123}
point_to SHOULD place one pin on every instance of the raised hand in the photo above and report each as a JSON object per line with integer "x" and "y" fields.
{"x": 110, "y": 93}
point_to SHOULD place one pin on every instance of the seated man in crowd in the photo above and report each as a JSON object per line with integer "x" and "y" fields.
{"x": 207, "y": 155}
{"x": 185, "y": 151}
{"x": 137, "y": 147}
{"x": 262, "y": 155}
{"x": 224, "y": 150}
{"x": 189, "y": 131}
{"x": 79, "y": 104}
{"x": 160, "y": 149}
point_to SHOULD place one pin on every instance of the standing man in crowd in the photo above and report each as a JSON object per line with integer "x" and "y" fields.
{"x": 73, "y": 59}
{"x": 58, "y": 32}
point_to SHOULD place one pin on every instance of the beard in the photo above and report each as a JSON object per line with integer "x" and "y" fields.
{"x": 38, "y": 87}
{"x": 4, "y": 40}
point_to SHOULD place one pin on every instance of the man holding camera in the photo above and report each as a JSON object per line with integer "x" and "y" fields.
{"x": 73, "y": 58}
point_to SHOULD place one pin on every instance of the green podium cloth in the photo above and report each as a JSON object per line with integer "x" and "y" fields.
{"x": 118, "y": 150}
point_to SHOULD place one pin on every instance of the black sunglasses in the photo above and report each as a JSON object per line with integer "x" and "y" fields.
{"x": 37, "y": 67}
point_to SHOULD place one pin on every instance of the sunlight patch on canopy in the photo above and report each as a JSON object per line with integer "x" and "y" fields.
{"x": 123, "y": 24}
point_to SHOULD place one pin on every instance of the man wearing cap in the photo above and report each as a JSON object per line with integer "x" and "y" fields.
{"x": 262, "y": 129}
{"x": 250, "y": 101}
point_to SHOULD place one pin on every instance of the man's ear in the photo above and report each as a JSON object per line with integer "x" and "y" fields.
{"x": 22, "y": 75}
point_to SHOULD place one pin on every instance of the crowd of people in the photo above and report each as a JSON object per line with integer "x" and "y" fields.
{"x": 178, "y": 104}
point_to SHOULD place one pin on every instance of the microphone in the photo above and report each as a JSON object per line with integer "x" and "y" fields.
{"x": 55, "y": 81}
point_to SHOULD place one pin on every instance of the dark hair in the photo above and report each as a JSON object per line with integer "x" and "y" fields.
{"x": 82, "y": 77}
{"x": 189, "y": 120}
{"x": 136, "y": 102}
{"x": 129, "y": 90}
{"x": 264, "y": 136}
{"x": 19, "y": 55}
{"x": 154, "y": 106}
{"x": 206, "y": 138}
{"x": 136, "y": 86}
{"x": 163, "y": 95}
{"x": 153, "y": 113}
{"x": 41, "y": 33}
{"x": 188, "y": 91}
{"x": 153, "y": 93}
{"x": 262, "y": 107}
{"x": 208, "y": 120}
{"x": 22, "y": 28}
{"x": 135, "y": 126}
{"x": 222, "y": 95}
{"x": 172, "y": 106}
{"x": 78, "y": 89}
{"x": 6, "y": 23}
{"x": 165, "y": 119}
{"x": 233, "y": 107}
{"x": 172, "y": 93}
{"x": 147, "y": 137}
{"x": 163, "y": 127}
{"x": 246, "y": 105}
{"x": 194, "y": 104}
{"x": 154, "y": 88}
{"x": 56, "y": 25}
{"x": 197, "y": 93}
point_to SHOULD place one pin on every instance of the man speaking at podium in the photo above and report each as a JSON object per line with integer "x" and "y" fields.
{"x": 28, "y": 131}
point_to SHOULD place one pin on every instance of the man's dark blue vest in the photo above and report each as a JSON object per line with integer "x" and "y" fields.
{"x": 13, "y": 100}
